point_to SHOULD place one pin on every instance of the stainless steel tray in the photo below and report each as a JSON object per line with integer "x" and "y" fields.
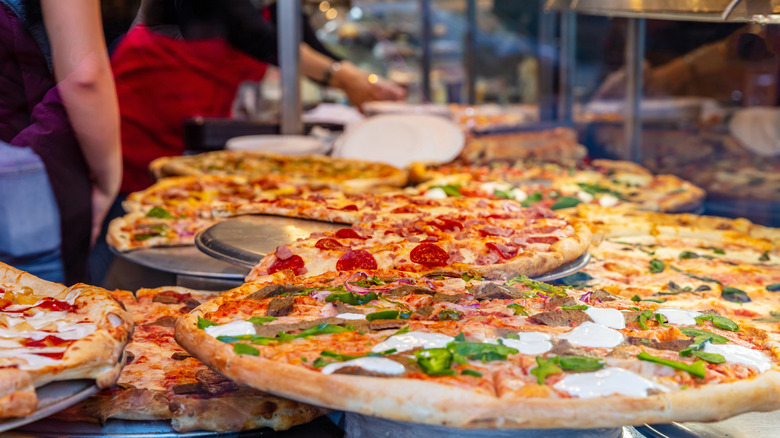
{"x": 750, "y": 425}
{"x": 565, "y": 269}
{"x": 53, "y": 398}
{"x": 183, "y": 260}
{"x": 245, "y": 240}
{"x": 321, "y": 427}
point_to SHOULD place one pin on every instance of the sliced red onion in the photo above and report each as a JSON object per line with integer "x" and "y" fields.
{"x": 430, "y": 284}
{"x": 357, "y": 276}
{"x": 585, "y": 298}
{"x": 405, "y": 281}
{"x": 320, "y": 295}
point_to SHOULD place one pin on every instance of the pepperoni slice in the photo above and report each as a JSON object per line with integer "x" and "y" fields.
{"x": 429, "y": 254}
{"x": 358, "y": 259}
{"x": 54, "y": 305}
{"x": 55, "y": 356}
{"x": 506, "y": 252}
{"x": 294, "y": 263}
{"x": 351, "y": 207}
{"x": 405, "y": 209}
{"x": 447, "y": 224}
{"x": 544, "y": 229}
{"x": 331, "y": 244}
{"x": 348, "y": 233}
{"x": 492, "y": 230}
{"x": 543, "y": 239}
{"x": 48, "y": 341}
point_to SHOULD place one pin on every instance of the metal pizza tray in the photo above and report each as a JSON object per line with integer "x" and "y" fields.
{"x": 750, "y": 425}
{"x": 53, "y": 398}
{"x": 183, "y": 260}
{"x": 245, "y": 240}
{"x": 321, "y": 427}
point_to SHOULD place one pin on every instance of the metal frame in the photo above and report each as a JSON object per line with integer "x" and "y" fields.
{"x": 289, "y": 34}
{"x": 470, "y": 51}
{"x": 426, "y": 34}
{"x": 634, "y": 56}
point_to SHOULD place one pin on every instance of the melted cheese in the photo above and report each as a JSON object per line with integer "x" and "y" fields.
{"x": 611, "y": 318}
{"x": 351, "y": 316}
{"x": 436, "y": 193}
{"x": 605, "y": 382}
{"x": 678, "y": 316}
{"x": 593, "y": 335}
{"x": 411, "y": 340}
{"x": 26, "y": 360}
{"x": 375, "y": 364}
{"x": 740, "y": 354}
{"x": 234, "y": 328}
{"x": 65, "y": 330}
{"x": 531, "y": 343}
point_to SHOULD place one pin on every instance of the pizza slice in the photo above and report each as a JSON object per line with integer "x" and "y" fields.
{"x": 161, "y": 381}
{"x": 49, "y": 332}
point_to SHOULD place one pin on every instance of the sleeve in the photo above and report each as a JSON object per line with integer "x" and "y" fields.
{"x": 248, "y": 31}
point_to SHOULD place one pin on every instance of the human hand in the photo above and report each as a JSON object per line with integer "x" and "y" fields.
{"x": 362, "y": 87}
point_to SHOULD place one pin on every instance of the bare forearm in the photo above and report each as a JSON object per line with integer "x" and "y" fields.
{"x": 83, "y": 73}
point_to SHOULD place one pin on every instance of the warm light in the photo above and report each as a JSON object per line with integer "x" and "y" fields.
{"x": 331, "y": 14}
{"x": 372, "y": 78}
{"x": 324, "y": 6}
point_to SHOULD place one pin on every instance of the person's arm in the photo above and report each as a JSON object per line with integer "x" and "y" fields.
{"x": 85, "y": 82}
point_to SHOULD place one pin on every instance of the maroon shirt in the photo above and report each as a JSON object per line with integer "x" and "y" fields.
{"x": 32, "y": 115}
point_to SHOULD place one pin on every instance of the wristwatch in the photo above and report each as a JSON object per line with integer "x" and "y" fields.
{"x": 330, "y": 72}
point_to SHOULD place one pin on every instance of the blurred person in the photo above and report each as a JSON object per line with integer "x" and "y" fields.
{"x": 187, "y": 58}
{"x": 58, "y": 114}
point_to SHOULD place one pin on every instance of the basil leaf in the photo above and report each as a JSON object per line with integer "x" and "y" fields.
{"x": 688, "y": 255}
{"x": 734, "y": 295}
{"x": 544, "y": 368}
{"x": 537, "y": 286}
{"x": 505, "y": 194}
{"x": 710, "y": 357}
{"x": 480, "y": 351}
{"x": 435, "y": 361}
{"x": 713, "y": 249}
{"x": 565, "y": 202}
{"x": 718, "y": 321}
{"x": 203, "y": 323}
{"x": 159, "y": 213}
{"x": 595, "y": 189}
{"x": 261, "y": 319}
{"x": 712, "y": 337}
{"x": 449, "y": 189}
{"x": 246, "y": 349}
{"x": 324, "y": 329}
{"x": 474, "y": 373}
{"x": 384, "y": 314}
{"x": 773, "y": 317}
{"x": 345, "y": 357}
{"x": 320, "y": 362}
{"x": 577, "y": 307}
{"x": 533, "y": 198}
{"x": 580, "y": 363}
{"x": 656, "y": 266}
{"x": 697, "y": 368}
{"x": 576, "y": 279}
{"x": 698, "y": 277}
{"x": 518, "y": 309}
{"x": 764, "y": 256}
{"x": 637, "y": 298}
{"x": 774, "y": 287}
{"x": 352, "y": 298}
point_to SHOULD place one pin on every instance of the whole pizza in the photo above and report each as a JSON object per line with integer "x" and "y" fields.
{"x": 49, "y": 332}
{"x": 468, "y": 353}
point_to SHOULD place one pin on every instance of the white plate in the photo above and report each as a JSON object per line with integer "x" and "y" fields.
{"x": 402, "y": 139}
{"x": 279, "y": 144}
{"x": 391, "y": 107}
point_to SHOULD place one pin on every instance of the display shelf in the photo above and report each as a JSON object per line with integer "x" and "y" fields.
{"x": 763, "y": 11}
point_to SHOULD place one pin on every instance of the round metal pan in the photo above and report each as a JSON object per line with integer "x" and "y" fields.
{"x": 53, "y": 398}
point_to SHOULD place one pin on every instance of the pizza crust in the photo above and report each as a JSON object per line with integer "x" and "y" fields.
{"x": 17, "y": 393}
{"x": 431, "y": 403}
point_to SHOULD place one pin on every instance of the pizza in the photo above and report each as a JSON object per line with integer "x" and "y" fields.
{"x": 416, "y": 233}
{"x": 315, "y": 170}
{"x": 496, "y": 239}
{"x": 687, "y": 261}
{"x": 468, "y": 353}
{"x": 49, "y": 332}
{"x": 161, "y": 381}
{"x": 553, "y": 145}
{"x": 607, "y": 183}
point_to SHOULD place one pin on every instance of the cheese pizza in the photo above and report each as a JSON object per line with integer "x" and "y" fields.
{"x": 49, "y": 332}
